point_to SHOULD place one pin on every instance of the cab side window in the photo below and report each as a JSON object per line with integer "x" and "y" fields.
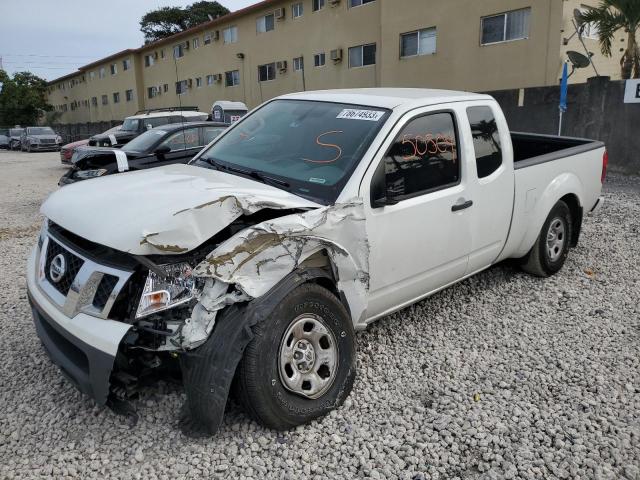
{"x": 486, "y": 140}
{"x": 183, "y": 139}
{"x": 423, "y": 158}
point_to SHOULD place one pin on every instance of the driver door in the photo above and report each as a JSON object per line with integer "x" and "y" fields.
{"x": 418, "y": 221}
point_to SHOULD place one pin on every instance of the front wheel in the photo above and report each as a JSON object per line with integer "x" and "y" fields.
{"x": 301, "y": 363}
{"x": 552, "y": 246}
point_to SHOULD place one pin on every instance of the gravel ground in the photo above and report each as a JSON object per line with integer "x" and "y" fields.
{"x": 501, "y": 376}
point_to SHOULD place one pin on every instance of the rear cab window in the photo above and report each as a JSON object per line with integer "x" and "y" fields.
{"x": 486, "y": 140}
{"x": 423, "y": 158}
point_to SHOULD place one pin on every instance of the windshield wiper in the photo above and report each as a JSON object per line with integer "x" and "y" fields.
{"x": 249, "y": 173}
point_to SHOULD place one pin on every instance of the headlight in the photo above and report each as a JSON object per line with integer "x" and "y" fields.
{"x": 177, "y": 287}
{"x": 58, "y": 139}
{"x": 33, "y": 140}
{"x": 84, "y": 174}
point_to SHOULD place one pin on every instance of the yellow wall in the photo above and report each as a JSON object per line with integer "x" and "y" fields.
{"x": 460, "y": 61}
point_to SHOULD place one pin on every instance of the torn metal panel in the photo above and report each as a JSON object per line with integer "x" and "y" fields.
{"x": 177, "y": 207}
{"x": 259, "y": 257}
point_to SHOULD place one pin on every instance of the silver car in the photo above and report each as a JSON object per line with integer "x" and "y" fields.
{"x": 40, "y": 138}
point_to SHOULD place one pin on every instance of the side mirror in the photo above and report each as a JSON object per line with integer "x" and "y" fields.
{"x": 382, "y": 193}
{"x": 162, "y": 150}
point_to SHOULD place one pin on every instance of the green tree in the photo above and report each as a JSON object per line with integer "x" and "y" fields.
{"x": 167, "y": 21}
{"x": 23, "y": 98}
{"x": 611, "y": 16}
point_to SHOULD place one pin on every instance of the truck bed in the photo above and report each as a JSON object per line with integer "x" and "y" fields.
{"x": 532, "y": 148}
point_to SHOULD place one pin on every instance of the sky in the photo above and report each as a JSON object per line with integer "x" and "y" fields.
{"x": 54, "y": 37}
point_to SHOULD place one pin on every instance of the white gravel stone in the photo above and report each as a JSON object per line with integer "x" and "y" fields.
{"x": 501, "y": 376}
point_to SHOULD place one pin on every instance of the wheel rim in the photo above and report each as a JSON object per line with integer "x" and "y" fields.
{"x": 556, "y": 238}
{"x": 308, "y": 357}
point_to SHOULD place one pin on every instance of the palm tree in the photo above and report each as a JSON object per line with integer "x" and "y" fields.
{"x": 611, "y": 16}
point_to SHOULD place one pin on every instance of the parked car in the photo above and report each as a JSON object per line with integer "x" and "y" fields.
{"x": 66, "y": 152}
{"x": 176, "y": 143}
{"x": 15, "y": 136}
{"x": 313, "y": 216}
{"x": 39, "y": 139}
{"x": 4, "y": 138}
{"x": 145, "y": 120}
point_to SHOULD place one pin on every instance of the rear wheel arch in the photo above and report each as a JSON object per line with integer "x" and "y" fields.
{"x": 575, "y": 207}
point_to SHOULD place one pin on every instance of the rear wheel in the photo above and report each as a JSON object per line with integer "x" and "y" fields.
{"x": 301, "y": 363}
{"x": 552, "y": 246}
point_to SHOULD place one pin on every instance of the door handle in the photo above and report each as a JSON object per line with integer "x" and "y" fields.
{"x": 462, "y": 206}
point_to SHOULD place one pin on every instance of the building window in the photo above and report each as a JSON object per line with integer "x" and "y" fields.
{"x": 165, "y": 87}
{"x": 232, "y": 79}
{"x": 178, "y": 51}
{"x": 198, "y": 82}
{"x": 161, "y": 53}
{"x": 357, "y": 3}
{"x": 126, "y": 64}
{"x": 266, "y": 23}
{"x": 267, "y": 72}
{"x": 209, "y": 79}
{"x": 149, "y": 60}
{"x": 297, "y": 9}
{"x": 105, "y": 100}
{"x": 94, "y": 101}
{"x": 362, "y": 55}
{"x": 152, "y": 92}
{"x": 505, "y": 27}
{"x": 181, "y": 87}
{"x": 422, "y": 42}
{"x": 486, "y": 140}
{"x": 113, "y": 68}
{"x": 317, "y": 5}
{"x": 196, "y": 42}
{"x": 298, "y": 64}
{"x": 128, "y": 94}
{"x": 92, "y": 76}
{"x": 319, "y": 59}
{"x": 207, "y": 38}
{"x": 102, "y": 72}
{"x": 116, "y": 97}
{"x": 230, "y": 35}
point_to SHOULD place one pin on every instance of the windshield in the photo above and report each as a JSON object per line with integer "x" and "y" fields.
{"x": 144, "y": 142}
{"x": 310, "y": 147}
{"x": 40, "y": 131}
{"x": 130, "y": 125}
{"x": 16, "y": 132}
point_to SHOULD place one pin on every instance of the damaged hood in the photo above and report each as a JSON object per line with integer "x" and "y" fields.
{"x": 165, "y": 210}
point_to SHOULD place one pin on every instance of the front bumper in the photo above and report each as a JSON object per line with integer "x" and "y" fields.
{"x": 45, "y": 147}
{"x": 84, "y": 346}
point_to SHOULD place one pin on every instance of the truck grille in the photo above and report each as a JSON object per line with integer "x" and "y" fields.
{"x": 82, "y": 284}
{"x": 72, "y": 264}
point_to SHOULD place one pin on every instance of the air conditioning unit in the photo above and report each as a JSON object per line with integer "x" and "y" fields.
{"x": 216, "y": 35}
{"x": 190, "y": 82}
{"x": 334, "y": 3}
{"x": 155, "y": 55}
{"x": 336, "y": 55}
{"x": 217, "y": 77}
{"x": 279, "y": 13}
{"x": 282, "y": 66}
{"x": 186, "y": 45}
{"x": 159, "y": 90}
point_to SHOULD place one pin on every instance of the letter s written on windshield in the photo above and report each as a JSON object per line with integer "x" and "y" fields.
{"x": 338, "y": 149}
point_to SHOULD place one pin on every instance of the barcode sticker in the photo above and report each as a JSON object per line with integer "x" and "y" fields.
{"x": 352, "y": 114}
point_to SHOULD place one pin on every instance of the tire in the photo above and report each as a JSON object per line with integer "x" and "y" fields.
{"x": 264, "y": 385}
{"x": 548, "y": 254}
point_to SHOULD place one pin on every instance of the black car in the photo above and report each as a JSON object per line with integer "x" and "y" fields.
{"x": 176, "y": 143}
{"x": 145, "y": 120}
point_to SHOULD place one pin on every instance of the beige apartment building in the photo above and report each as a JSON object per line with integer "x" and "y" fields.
{"x": 280, "y": 46}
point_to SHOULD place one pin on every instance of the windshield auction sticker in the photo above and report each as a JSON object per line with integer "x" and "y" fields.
{"x": 352, "y": 114}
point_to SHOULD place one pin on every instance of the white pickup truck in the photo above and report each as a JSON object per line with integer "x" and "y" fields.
{"x": 310, "y": 218}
